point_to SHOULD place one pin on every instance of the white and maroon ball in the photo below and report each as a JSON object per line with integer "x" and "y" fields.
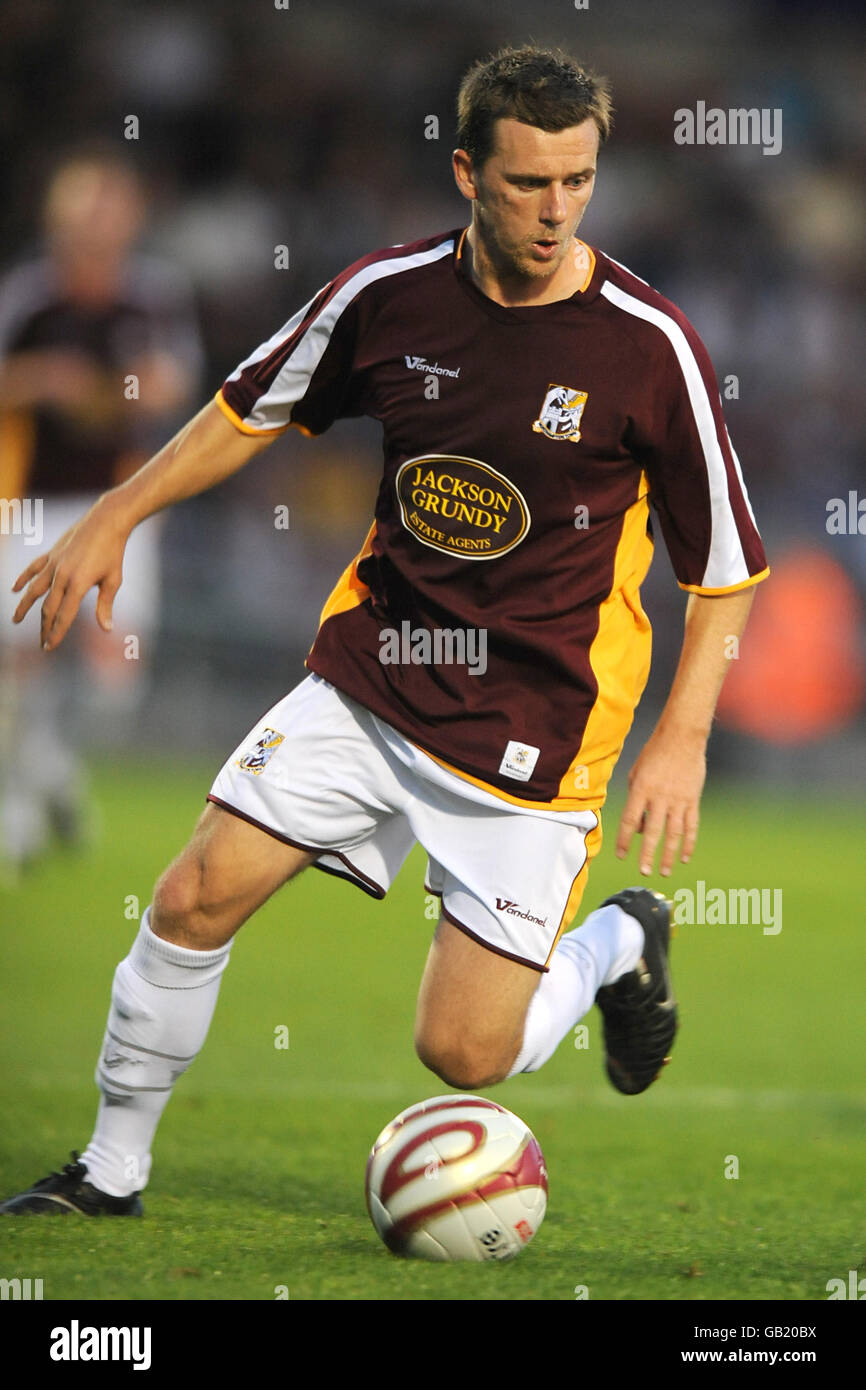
{"x": 456, "y": 1178}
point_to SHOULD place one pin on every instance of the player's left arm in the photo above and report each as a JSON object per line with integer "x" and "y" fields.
{"x": 667, "y": 780}
{"x": 698, "y": 492}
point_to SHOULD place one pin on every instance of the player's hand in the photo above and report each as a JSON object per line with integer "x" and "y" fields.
{"x": 63, "y": 378}
{"x": 665, "y": 787}
{"x": 89, "y": 553}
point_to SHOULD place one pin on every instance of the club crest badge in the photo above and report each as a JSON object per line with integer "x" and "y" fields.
{"x": 561, "y": 413}
{"x": 264, "y": 750}
{"x": 519, "y": 761}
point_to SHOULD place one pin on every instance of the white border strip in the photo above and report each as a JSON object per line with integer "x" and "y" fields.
{"x": 272, "y": 409}
{"x": 726, "y": 562}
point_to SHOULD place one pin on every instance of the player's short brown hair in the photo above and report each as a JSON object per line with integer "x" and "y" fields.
{"x": 540, "y": 87}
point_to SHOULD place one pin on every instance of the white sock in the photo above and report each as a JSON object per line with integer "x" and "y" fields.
{"x": 162, "y": 1002}
{"x": 607, "y": 945}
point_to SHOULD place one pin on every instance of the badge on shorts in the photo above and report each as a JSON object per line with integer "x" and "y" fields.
{"x": 264, "y": 750}
{"x": 519, "y": 761}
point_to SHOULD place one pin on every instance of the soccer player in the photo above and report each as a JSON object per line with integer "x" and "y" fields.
{"x": 477, "y": 665}
{"x": 81, "y": 326}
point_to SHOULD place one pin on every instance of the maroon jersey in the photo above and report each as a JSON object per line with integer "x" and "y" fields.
{"x": 152, "y": 312}
{"x": 523, "y": 448}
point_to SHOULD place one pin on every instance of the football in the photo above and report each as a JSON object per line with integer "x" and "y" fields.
{"x": 456, "y": 1178}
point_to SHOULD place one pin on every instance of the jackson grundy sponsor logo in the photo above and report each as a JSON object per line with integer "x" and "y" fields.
{"x": 461, "y": 506}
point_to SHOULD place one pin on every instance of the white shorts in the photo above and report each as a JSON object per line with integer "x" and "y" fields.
{"x": 136, "y": 607}
{"x": 321, "y": 772}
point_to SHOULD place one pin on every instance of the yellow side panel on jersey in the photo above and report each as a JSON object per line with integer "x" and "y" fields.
{"x": 16, "y": 452}
{"x": 619, "y": 656}
{"x": 349, "y": 591}
{"x": 620, "y": 660}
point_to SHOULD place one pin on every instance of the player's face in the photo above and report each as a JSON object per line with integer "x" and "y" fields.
{"x": 529, "y": 197}
{"x": 93, "y": 211}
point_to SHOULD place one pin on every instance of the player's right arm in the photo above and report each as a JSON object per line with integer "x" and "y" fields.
{"x": 301, "y": 376}
{"x": 205, "y": 452}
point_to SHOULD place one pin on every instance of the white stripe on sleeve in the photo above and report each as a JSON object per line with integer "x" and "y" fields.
{"x": 726, "y": 563}
{"x": 273, "y": 408}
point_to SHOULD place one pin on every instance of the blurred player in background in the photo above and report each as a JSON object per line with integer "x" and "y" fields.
{"x": 99, "y": 350}
{"x": 535, "y": 398}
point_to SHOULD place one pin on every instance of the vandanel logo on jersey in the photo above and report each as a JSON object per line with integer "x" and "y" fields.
{"x": 560, "y": 413}
{"x": 461, "y": 506}
{"x": 420, "y": 364}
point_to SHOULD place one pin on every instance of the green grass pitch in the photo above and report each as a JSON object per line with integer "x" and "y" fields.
{"x": 259, "y": 1163}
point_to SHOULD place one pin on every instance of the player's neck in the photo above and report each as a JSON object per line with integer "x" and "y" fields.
{"x": 91, "y": 283}
{"x": 520, "y": 291}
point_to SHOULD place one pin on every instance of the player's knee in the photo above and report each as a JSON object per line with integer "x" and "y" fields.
{"x": 176, "y": 909}
{"x": 464, "y": 1067}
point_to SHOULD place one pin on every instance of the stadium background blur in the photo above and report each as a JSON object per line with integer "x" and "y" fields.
{"x": 305, "y": 127}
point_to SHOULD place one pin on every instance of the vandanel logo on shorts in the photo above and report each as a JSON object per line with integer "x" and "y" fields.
{"x": 461, "y": 506}
{"x": 515, "y": 910}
